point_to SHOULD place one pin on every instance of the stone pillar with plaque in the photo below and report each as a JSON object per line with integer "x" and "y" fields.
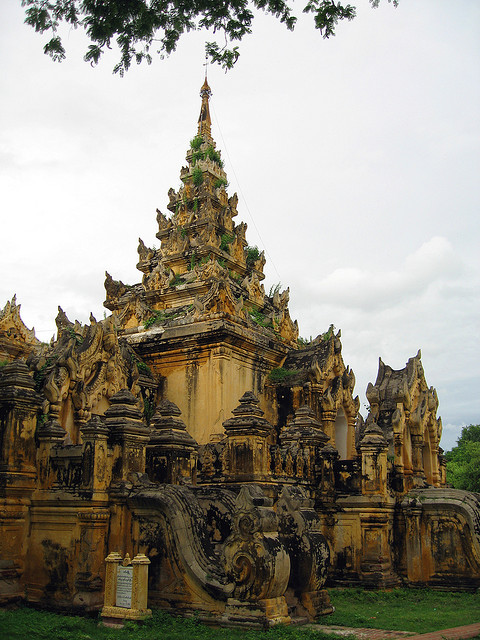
{"x": 126, "y": 589}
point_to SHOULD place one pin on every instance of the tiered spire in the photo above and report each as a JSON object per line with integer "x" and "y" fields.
{"x": 204, "y": 266}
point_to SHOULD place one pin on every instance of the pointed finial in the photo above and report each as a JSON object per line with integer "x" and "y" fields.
{"x": 204, "y": 120}
{"x": 205, "y": 64}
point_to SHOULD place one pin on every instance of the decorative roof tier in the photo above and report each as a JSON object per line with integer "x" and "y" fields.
{"x": 204, "y": 268}
{"x": 16, "y": 340}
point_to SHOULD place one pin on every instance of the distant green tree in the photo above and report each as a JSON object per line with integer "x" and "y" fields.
{"x": 137, "y": 25}
{"x": 463, "y": 461}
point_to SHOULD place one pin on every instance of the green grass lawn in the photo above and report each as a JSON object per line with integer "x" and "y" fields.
{"x": 420, "y": 610}
{"x": 28, "y": 624}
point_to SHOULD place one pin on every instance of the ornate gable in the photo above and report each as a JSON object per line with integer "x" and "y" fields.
{"x": 405, "y": 408}
{"x": 16, "y": 340}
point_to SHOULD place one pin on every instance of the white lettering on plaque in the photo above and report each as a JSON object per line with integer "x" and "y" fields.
{"x": 124, "y": 587}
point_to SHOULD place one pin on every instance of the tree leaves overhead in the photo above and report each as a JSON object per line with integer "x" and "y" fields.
{"x": 138, "y": 26}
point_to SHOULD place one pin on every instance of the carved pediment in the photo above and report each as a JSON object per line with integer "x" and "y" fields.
{"x": 15, "y": 338}
{"x": 220, "y": 299}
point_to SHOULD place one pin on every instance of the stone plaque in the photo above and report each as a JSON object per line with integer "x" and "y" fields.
{"x": 124, "y": 587}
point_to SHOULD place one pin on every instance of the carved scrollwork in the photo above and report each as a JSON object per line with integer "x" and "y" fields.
{"x": 243, "y": 569}
{"x": 255, "y": 560}
{"x": 300, "y": 533}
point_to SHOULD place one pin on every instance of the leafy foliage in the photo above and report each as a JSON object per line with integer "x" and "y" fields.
{"x": 148, "y": 409}
{"x": 463, "y": 461}
{"x": 214, "y": 156}
{"x": 176, "y": 281}
{"x": 156, "y": 318}
{"x": 40, "y": 375}
{"x": 196, "y": 143}
{"x": 259, "y": 318}
{"x": 138, "y": 25}
{"x": 197, "y": 176}
{"x": 160, "y": 317}
{"x": 329, "y": 333}
{"x": 226, "y": 239}
{"x": 274, "y": 289}
{"x": 193, "y": 261}
{"x": 253, "y": 254}
{"x": 72, "y": 333}
{"x": 220, "y": 182}
{"x": 282, "y": 375}
{"x": 196, "y": 156}
{"x": 141, "y": 366}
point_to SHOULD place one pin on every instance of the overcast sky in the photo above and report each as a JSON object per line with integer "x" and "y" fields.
{"x": 356, "y": 161}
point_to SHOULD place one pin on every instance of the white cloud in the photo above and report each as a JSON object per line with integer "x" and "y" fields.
{"x": 429, "y": 267}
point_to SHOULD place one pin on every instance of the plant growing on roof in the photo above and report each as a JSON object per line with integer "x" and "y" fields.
{"x": 148, "y": 409}
{"x": 275, "y": 288}
{"x": 282, "y": 375}
{"x": 141, "y": 366}
{"x": 259, "y": 318}
{"x": 157, "y": 317}
{"x": 196, "y": 143}
{"x": 176, "y": 281}
{"x": 196, "y": 156}
{"x": 253, "y": 255}
{"x": 220, "y": 182}
{"x": 226, "y": 239}
{"x": 78, "y": 338}
{"x": 197, "y": 176}
{"x": 235, "y": 276}
{"x": 328, "y": 334}
{"x": 214, "y": 156}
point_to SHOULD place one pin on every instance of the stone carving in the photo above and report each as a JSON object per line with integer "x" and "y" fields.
{"x": 405, "y": 409}
{"x": 85, "y": 367}
{"x": 255, "y": 560}
{"x": 115, "y": 289}
{"x": 171, "y": 451}
{"x": 255, "y": 290}
{"x": 220, "y": 300}
{"x": 300, "y": 533}
{"x": 163, "y": 223}
{"x": 16, "y": 340}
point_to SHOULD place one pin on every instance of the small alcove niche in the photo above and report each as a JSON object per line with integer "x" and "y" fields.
{"x": 341, "y": 431}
